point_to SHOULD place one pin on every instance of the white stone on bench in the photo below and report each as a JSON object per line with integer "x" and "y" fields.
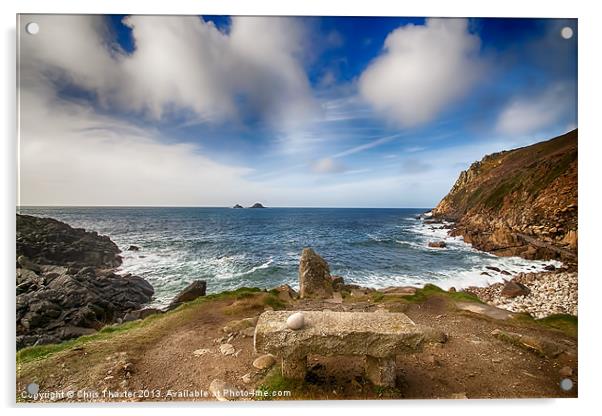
{"x": 380, "y": 337}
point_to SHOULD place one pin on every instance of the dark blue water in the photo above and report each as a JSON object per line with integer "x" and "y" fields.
{"x": 231, "y": 248}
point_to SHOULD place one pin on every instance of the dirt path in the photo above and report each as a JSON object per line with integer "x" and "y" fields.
{"x": 158, "y": 360}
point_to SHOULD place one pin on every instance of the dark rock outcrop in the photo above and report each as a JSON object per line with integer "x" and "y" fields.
{"x": 314, "y": 276}
{"x": 256, "y": 205}
{"x": 437, "y": 244}
{"x": 48, "y": 241}
{"x": 237, "y": 206}
{"x": 189, "y": 293}
{"x": 69, "y": 288}
{"x": 133, "y": 248}
{"x": 519, "y": 202}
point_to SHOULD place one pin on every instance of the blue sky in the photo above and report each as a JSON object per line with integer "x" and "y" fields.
{"x": 292, "y": 111}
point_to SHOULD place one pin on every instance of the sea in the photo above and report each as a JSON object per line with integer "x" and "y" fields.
{"x": 231, "y": 248}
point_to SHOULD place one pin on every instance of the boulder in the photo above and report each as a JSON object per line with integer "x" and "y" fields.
{"x": 133, "y": 248}
{"x": 256, "y": 205}
{"x": 286, "y": 293}
{"x": 314, "y": 276}
{"x": 25, "y": 263}
{"x": 437, "y": 244}
{"x": 513, "y": 289}
{"x": 239, "y": 325}
{"x": 237, "y": 206}
{"x": 495, "y": 269}
{"x": 191, "y": 292}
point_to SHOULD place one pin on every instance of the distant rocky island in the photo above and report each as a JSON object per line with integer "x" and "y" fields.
{"x": 255, "y": 205}
{"x": 521, "y": 202}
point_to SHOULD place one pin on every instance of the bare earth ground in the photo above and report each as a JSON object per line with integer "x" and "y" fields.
{"x": 154, "y": 359}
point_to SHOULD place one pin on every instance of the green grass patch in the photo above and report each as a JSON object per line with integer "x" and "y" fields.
{"x": 275, "y": 382}
{"x": 378, "y": 296}
{"x": 567, "y": 324}
{"x": 429, "y": 290}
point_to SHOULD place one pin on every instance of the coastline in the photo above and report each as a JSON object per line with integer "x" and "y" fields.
{"x": 550, "y": 292}
{"x": 212, "y": 336}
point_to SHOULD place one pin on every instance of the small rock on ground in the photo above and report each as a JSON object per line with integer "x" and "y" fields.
{"x": 264, "y": 362}
{"x": 227, "y": 349}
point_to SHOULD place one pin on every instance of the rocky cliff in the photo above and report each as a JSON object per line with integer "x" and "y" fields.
{"x": 519, "y": 202}
{"x": 66, "y": 284}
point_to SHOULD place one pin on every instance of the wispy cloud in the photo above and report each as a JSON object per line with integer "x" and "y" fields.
{"x": 363, "y": 147}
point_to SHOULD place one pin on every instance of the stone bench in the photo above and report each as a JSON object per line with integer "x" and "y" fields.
{"x": 379, "y": 336}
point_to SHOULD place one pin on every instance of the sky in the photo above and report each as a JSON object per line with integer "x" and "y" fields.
{"x": 288, "y": 111}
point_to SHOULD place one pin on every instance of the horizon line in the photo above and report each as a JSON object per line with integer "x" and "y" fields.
{"x": 208, "y": 206}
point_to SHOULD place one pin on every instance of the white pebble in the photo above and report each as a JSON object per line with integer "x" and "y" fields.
{"x": 295, "y": 321}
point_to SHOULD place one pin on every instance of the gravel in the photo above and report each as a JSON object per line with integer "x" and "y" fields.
{"x": 551, "y": 293}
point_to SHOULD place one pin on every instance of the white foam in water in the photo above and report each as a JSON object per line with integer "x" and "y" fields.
{"x": 170, "y": 267}
{"x": 459, "y": 278}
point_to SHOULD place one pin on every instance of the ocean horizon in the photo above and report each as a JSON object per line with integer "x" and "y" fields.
{"x": 232, "y": 248}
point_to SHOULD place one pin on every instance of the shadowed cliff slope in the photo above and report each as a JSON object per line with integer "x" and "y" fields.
{"x": 519, "y": 202}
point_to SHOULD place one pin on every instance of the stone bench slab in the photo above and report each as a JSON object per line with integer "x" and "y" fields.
{"x": 341, "y": 333}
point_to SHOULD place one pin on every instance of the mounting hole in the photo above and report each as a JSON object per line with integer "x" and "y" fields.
{"x": 566, "y": 32}
{"x": 32, "y": 388}
{"x": 32, "y": 28}
{"x": 566, "y": 384}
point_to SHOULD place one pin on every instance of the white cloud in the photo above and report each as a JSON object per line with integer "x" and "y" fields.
{"x": 69, "y": 155}
{"x": 422, "y": 70}
{"x": 181, "y": 62}
{"x": 528, "y": 115}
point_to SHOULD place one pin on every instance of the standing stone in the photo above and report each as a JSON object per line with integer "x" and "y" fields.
{"x": 314, "y": 275}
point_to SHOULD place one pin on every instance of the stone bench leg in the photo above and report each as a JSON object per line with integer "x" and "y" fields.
{"x": 381, "y": 371}
{"x": 294, "y": 367}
